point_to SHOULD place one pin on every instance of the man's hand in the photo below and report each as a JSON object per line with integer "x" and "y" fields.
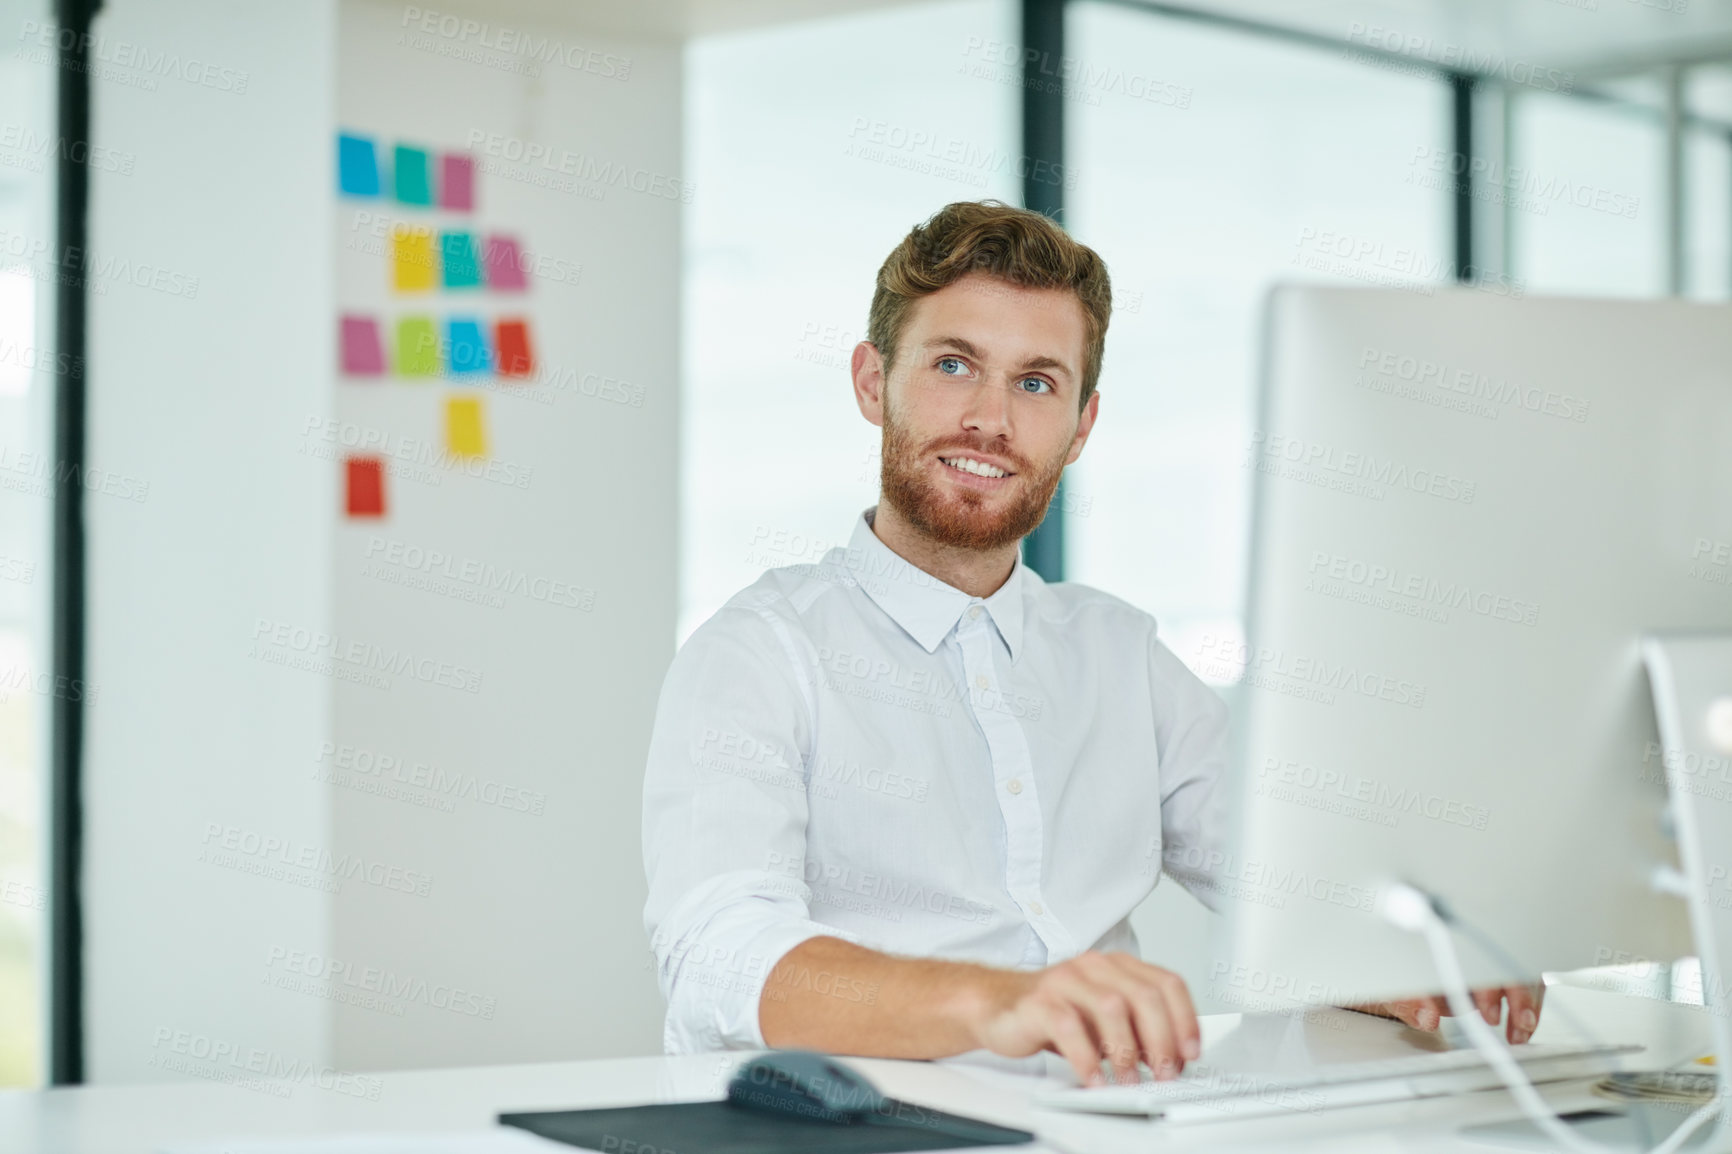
{"x": 1428, "y": 1013}
{"x": 1094, "y": 1006}
{"x": 844, "y": 998}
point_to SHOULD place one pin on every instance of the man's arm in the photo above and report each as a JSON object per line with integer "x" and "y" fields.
{"x": 828, "y": 994}
{"x": 1191, "y": 741}
{"x": 724, "y": 830}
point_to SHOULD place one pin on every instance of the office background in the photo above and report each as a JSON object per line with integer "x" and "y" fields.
{"x": 1205, "y": 150}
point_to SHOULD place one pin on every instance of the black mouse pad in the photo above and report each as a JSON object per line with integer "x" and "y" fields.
{"x": 724, "y": 1128}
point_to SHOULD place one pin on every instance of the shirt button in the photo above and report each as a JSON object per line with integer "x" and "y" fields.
{"x": 974, "y": 613}
{"x": 1036, "y": 909}
{"x": 982, "y": 680}
{"x": 1014, "y": 785}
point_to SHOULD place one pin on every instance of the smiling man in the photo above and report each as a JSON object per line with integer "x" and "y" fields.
{"x": 902, "y": 802}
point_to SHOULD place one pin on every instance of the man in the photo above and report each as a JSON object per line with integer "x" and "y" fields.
{"x": 901, "y": 802}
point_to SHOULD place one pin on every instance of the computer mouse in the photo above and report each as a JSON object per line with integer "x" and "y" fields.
{"x": 805, "y": 1083}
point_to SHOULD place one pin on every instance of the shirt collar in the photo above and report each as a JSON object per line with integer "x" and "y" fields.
{"x": 920, "y": 603}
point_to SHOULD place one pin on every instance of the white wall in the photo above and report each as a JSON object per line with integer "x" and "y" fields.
{"x": 219, "y": 403}
{"x": 534, "y": 915}
{"x": 203, "y": 398}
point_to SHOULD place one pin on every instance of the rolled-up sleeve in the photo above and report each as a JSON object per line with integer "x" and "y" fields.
{"x": 724, "y": 825}
{"x": 1191, "y": 734}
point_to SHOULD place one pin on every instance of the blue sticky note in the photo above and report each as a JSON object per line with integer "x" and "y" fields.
{"x": 357, "y": 166}
{"x": 459, "y": 259}
{"x": 468, "y": 346}
{"x": 412, "y": 175}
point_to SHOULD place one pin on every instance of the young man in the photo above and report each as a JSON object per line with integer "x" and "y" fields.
{"x": 902, "y": 802}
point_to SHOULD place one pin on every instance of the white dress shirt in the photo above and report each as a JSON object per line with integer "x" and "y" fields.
{"x": 854, "y": 748}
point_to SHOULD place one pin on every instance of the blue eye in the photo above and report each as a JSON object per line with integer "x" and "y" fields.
{"x": 942, "y": 361}
{"x": 1037, "y": 380}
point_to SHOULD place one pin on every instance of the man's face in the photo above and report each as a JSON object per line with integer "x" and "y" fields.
{"x": 987, "y": 372}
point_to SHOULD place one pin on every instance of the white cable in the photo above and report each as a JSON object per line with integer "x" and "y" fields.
{"x": 1412, "y": 910}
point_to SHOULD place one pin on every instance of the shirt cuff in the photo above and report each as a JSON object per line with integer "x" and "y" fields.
{"x": 714, "y": 1006}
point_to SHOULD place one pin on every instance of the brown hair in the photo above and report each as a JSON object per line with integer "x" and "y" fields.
{"x": 1012, "y": 244}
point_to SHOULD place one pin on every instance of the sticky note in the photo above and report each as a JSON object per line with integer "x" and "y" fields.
{"x": 361, "y": 351}
{"x": 504, "y": 263}
{"x": 456, "y": 181}
{"x": 357, "y": 166}
{"x": 410, "y": 175}
{"x": 511, "y": 347}
{"x": 417, "y": 347}
{"x": 413, "y": 265}
{"x": 468, "y": 347}
{"x": 457, "y": 254}
{"x": 465, "y": 433}
{"x": 364, "y": 485}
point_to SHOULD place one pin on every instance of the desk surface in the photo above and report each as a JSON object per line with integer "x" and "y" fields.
{"x": 143, "y": 1119}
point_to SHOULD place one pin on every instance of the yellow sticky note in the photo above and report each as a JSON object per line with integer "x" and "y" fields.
{"x": 465, "y": 432}
{"x": 414, "y": 267}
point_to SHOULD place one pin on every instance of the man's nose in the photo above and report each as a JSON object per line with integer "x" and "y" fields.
{"x": 989, "y": 407}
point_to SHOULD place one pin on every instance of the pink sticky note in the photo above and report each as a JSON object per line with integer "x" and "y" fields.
{"x": 456, "y": 181}
{"x": 504, "y": 263}
{"x": 362, "y": 352}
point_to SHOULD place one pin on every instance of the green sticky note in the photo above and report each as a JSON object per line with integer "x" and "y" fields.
{"x": 412, "y": 175}
{"x": 462, "y": 267}
{"x": 417, "y": 347}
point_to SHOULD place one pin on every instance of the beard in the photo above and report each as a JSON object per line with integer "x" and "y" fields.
{"x": 962, "y": 518}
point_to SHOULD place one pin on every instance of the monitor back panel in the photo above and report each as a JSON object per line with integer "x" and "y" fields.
{"x": 1468, "y": 510}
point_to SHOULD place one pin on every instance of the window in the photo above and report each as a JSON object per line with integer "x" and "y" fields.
{"x": 814, "y": 149}
{"x": 27, "y": 381}
{"x": 1255, "y": 162}
{"x": 1708, "y": 185}
{"x": 1591, "y": 220}
{"x": 1707, "y": 214}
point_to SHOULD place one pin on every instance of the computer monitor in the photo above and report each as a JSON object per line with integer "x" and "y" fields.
{"x": 1469, "y": 510}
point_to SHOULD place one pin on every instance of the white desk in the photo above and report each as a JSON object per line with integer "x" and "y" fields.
{"x": 142, "y": 1119}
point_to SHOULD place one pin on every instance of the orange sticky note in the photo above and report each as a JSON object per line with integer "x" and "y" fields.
{"x": 511, "y": 340}
{"x": 365, "y": 486}
{"x": 465, "y": 430}
{"x": 414, "y": 267}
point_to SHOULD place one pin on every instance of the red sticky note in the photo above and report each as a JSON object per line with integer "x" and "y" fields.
{"x": 362, "y": 353}
{"x": 504, "y": 263}
{"x": 511, "y": 342}
{"x": 366, "y": 486}
{"x": 456, "y": 181}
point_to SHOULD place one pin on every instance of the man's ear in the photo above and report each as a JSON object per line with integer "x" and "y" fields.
{"x": 867, "y": 368}
{"x": 1085, "y": 424}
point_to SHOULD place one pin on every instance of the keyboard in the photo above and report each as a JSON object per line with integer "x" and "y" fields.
{"x": 1204, "y": 1093}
